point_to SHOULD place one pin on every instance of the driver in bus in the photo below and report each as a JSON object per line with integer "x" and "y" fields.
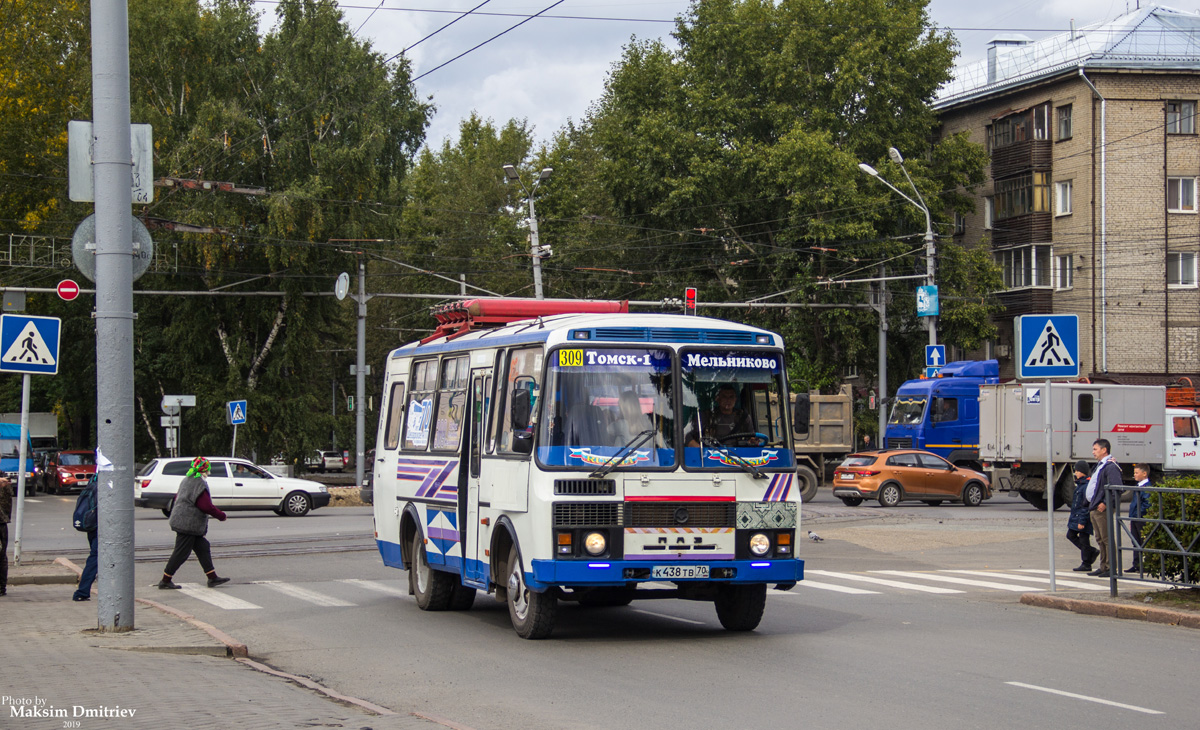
{"x": 723, "y": 421}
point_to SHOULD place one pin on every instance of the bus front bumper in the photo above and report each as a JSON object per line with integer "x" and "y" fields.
{"x": 551, "y": 573}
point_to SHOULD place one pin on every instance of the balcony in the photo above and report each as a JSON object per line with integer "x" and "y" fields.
{"x": 1024, "y": 301}
{"x": 1022, "y": 157}
{"x": 1021, "y": 229}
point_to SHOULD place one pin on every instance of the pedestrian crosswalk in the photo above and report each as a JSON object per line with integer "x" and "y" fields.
{"x": 350, "y": 592}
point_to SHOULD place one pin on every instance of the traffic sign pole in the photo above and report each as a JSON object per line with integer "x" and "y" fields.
{"x": 22, "y": 454}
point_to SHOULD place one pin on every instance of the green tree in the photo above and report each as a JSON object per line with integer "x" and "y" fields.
{"x": 735, "y": 160}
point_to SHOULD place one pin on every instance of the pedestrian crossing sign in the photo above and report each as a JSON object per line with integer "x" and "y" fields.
{"x": 29, "y": 344}
{"x": 1048, "y": 346}
{"x": 237, "y": 412}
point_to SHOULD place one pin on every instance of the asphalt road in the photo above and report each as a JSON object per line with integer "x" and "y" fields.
{"x": 862, "y": 653}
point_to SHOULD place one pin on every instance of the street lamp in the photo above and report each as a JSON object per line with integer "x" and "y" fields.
{"x": 510, "y": 175}
{"x": 929, "y": 244}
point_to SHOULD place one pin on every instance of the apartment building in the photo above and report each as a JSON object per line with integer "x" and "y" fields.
{"x": 1091, "y": 203}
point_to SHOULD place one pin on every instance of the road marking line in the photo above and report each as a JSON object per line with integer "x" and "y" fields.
{"x": 303, "y": 594}
{"x": 1039, "y": 579}
{"x": 883, "y": 582}
{"x": 215, "y": 597}
{"x": 664, "y": 615}
{"x": 961, "y": 581}
{"x": 376, "y": 586}
{"x": 1072, "y": 695}
{"x": 1099, "y": 584}
{"x": 831, "y": 587}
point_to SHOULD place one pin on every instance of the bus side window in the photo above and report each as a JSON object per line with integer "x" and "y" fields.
{"x": 396, "y": 405}
{"x": 522, "y": 373}
{"x": 419, "y": 415}
{"x": 452, "y": 404}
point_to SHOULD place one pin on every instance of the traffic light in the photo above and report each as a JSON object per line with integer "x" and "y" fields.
{"x": 689, "y": 300}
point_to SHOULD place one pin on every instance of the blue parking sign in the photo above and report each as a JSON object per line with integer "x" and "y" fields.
{"x": 29, "y": 344}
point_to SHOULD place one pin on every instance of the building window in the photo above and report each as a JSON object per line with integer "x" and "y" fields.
{"x": 1064, "y": 122}
{"x": 1181, "y": 270}
{"x": 1064, "y": 272}
{"x": 1062, "y": 198}
{"x": 989, "y": 212}
{"x": 1181, "y": 117}
{"x": 1025, "y": 266}
{"x": 1022, "y": 195}
{"x": 1181, "y": 194}
{"x": 960, "y": 224}
{"x": 850, "y": 372}
{"x": 1033, "y": 123}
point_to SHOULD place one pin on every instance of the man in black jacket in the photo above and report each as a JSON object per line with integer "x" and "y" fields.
{"x": 1106, "y": 474}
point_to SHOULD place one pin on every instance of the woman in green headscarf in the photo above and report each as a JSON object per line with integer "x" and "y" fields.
{"x": 189, "y": 520}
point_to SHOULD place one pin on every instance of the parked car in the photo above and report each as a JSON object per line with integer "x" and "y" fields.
{"x": 323, "y": 461}
{"x": 234, "y": 484}
{"x": 894, "y": 475}
{"x": 69, "y": 471}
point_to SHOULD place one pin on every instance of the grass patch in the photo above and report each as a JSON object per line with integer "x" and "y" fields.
{"x": 345, "y": 497}
{"x": 1187, "y": 599}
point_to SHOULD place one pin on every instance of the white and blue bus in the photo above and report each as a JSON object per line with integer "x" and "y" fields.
{"x": 550, "y": 451}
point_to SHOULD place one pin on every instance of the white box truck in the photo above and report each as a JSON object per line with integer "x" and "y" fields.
{"x": 1134, "y": 419}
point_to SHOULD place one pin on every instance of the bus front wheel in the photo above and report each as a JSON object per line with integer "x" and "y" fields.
{"x": 532, "y": 613}
{"x": 433, "y": 589}
{"x": 740, "y": 608}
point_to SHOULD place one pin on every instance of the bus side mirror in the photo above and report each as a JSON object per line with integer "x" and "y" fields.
{"x": 522, "y": 407}
{"x": 801, "y": 411}
{"x": 522, "y": 442}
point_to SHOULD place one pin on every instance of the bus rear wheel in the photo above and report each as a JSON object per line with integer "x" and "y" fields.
{"x": 532, "y": 613}
{"x": 740, "y": 608}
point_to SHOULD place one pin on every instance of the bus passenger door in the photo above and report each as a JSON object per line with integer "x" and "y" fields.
{"x": 474, "y": 567}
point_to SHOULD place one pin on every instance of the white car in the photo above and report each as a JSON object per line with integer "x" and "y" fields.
{"x": 234, "y": 484}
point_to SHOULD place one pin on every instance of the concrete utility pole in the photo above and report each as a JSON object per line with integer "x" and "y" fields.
{"x": 535, "y": 248}
{"x": 112, "y": 177}
{"x": 360, "y": 368}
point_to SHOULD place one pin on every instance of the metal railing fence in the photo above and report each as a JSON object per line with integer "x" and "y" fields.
{"x": 1164, "y": 542}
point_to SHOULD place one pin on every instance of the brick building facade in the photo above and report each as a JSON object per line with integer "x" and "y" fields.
{"x": 1091, "y": 201}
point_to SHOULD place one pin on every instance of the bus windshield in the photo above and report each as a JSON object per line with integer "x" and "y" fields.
{"x": 907, "y": 411}
{"x": 731, "y": 406}
{"x": 599, "y": 401}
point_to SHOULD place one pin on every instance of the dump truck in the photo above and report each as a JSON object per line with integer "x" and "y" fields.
{"x": 824, "y": 433}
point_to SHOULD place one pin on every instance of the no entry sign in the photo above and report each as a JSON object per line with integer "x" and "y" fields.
{"x": 67, "y": 290}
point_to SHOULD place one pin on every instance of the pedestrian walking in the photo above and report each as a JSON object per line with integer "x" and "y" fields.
{"x": 1079, "y": 524}
{"x": 89, "y": 524}
{"x": 189, "y": 520}
{"x": 1138, "y": 506}
{"x": 1107, "y": 473}
{"x": 6, "y": 498}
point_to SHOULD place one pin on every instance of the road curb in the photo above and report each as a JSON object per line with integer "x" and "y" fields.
{"x": 233, "y": 647}
{"x": 305, "y": 682}
{"x": 1113, "y": 610}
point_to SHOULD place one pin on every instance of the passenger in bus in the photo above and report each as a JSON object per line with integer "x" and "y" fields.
{"x": 632, "y": 422}
{"x": 723, "y": 421}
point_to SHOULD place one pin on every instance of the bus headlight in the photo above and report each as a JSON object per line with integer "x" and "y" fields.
{"x": 760, "y": 544}
{"x": 595, "y": 543}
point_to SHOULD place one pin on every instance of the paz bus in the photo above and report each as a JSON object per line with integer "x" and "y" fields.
{"x": 557, "y": 451}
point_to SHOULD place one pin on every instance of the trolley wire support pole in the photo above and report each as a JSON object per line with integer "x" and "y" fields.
{"x": 112, "y": 176}
{"x": 535, "y": 248}
{"x": 360, "y": 383}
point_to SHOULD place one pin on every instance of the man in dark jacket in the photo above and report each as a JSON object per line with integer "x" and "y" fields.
{"x": 1079, "y": 524}
{"x": 1106, "y": 474}
{"x": 189, "y": 520}
{"x": 6, "y": 498}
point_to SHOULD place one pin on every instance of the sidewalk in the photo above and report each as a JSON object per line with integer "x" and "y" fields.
{"x": 167, "y": 672}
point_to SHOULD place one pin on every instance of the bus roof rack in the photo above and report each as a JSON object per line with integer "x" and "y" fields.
{"x": 458, "y": 318}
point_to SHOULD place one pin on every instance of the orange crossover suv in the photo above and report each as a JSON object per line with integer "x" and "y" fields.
{"x": 899, "y": 474}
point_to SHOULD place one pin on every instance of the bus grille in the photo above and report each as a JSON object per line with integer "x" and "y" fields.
{"x": 581, "y": 514}
{"x": 585, "y": 486}
{"x": 905, "y": 443}
{"x": 691, "y": 514}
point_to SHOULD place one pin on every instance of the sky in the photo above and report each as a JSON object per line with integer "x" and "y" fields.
{"x": 551, "y": 68}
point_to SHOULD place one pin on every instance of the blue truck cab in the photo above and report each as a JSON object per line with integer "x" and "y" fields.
{"x": 10, "y": 456}
{"x": 942, "y": 414}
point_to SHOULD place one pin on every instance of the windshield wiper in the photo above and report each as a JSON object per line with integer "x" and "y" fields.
{"x": 616, "y": 458}
{"x": 746, "y": 466}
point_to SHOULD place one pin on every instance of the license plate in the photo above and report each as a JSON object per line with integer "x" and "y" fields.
{"x": 671, "y": 572}
{"x": 847, "y": 476}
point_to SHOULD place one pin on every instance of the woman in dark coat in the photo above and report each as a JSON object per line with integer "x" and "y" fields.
{"x": 189, "y": 520}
